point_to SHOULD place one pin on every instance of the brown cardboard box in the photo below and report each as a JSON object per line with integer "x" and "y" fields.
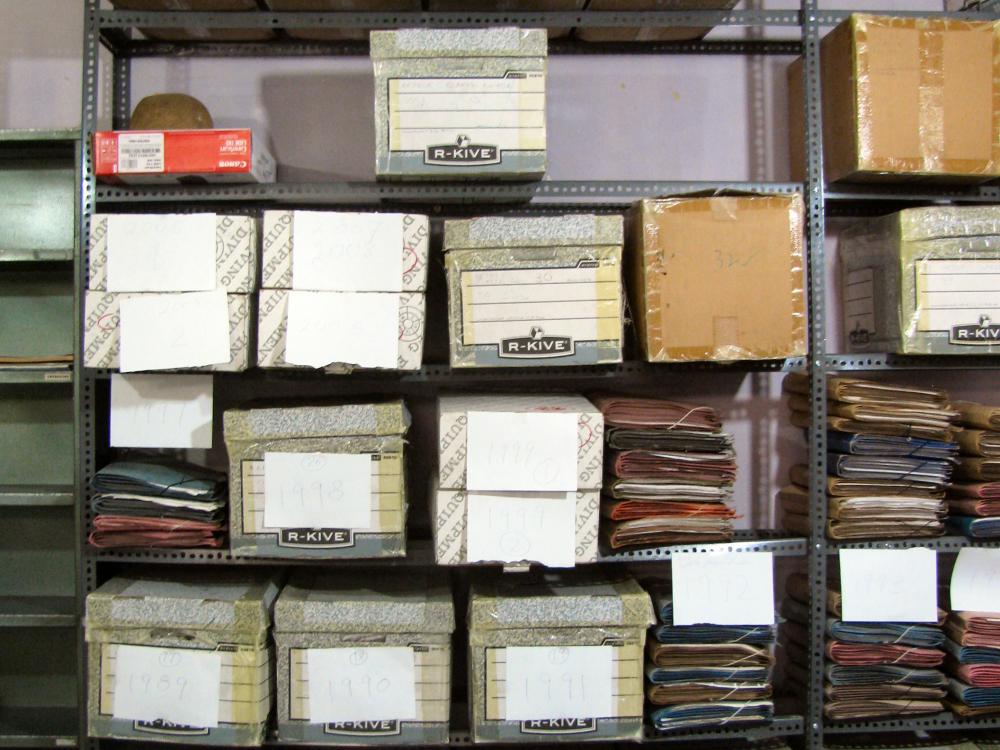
{"x": 339, "y": 6}
{"x": 905, "y": 97}
{"x": 649, "y": 34}
{"x": 198, "y": 34}
{"x": 718, "y": 278}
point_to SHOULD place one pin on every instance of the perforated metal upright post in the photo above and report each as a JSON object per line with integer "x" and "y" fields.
{"x": 815, "y": 205}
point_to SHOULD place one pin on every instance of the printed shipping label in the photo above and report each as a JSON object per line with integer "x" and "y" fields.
{"x": 961, "y": 297}
{"x": 140, "y": 152}
{"x": 859, "y": 304}
{"x": 467, "y": 121}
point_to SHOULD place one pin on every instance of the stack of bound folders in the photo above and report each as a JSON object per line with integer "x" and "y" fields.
{"x": 874, "y": 669}
{"x": 707, "y": 675}
{"x": 974, "y": 500}
{"x": 973, "y": 662}
{"x": 669, "y": 472}
{"x": 890, "y": 455}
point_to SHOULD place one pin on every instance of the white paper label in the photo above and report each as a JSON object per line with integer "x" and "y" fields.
{"x": 559, "y": 682}
{"x": 140, "y": 152}
{"x": 361, "y": 684}
{"x": 859, "y": 301}
{"x": 169, "y": 331}
{"x": 975, "y": 581}
{"x": 529, "y": 452}
{"x": 889, "y": 585}
{"x": 161, "y": 252}
{"x": 317, "y": 490}
{"x": 514, "y": 528}
{"x": 180, "y": 686}
{"x": 725, "y": 588}
{"x": 347, "y": 252}
{"x": 957, "y": 293}
{"x": 161, "y": 411}
{"x": 355, "y": 328}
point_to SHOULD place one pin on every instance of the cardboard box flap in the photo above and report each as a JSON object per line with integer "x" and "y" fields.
{"x": 290, "y": 422}
{"x": 335, "y": 603}
{"x": 225, "y": 602}
{"x": 429, "y": 43}
{"x": 576, "y": 230}
{"x": 564, "y": 600}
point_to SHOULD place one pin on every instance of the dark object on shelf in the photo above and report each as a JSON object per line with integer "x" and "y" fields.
{"x": 170, "y": 112}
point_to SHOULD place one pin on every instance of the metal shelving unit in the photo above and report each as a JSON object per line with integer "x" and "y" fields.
{"x": 112, "y": 30}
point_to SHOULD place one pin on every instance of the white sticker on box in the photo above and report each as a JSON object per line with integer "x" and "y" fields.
{"x": 161, "y": 253}
{"x": 959, "y": 296}
{"x": 140, "y": 152}
{"x": 361, "y": 684}
{"x": 559, "y": 682}
{"x": 889, "y": 585}
{"x": 171, "y": 331}
{"x": 723, "y": 588}
{"x": 528, "y": 452}
{"x": 317, "y": 490}
{"x": 975, "y": 581}
{"x": 347, "y": 252}
{"x": 354, "y": 328}
{"x": 161, "y": 411}
{"x": 175, "y": 685}
{"x": 513, "y": 528}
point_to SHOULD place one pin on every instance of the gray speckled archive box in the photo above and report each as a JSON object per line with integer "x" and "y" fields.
{"x": 372, "y": 430}
{"x": 534, "y": 291}
{"x": 459, "y": 103}
{"x": 319, "y": 611}
{"x": 228, "y": 614}
{"x": 548, "y": 612}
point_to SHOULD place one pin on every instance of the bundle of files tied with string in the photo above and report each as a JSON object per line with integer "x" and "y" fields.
{"x": 706, "y": 674}
{"x": 973, "y": 648}
{"x": 669, "y": 472}
{"x": 974, "y": 499}
{"x": 891, "y": 453}
{"x": 873, "y": 669}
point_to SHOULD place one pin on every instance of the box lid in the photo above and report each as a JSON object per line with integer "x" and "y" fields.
{"x": 277, "y": 422}
{"x": 223, "y": 602}
{"x": 336, "y": 603}
{"x": 523, "y": 402}
{"x": 536, "y": 231}
{"x": 506, "y": 41}
{"x": 563, "y": 600}
{"x": 943, "y": 222}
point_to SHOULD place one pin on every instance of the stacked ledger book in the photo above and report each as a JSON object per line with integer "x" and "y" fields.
{"x": 974, "y": 500}
{"x": 158, "y": 504}
{"x": 890, "y": 455}
{"x": 973, "y": 662}
{"x": 707, "y": 675}
{"x": 873, "y": 669}
{"x": 669, "y": 470}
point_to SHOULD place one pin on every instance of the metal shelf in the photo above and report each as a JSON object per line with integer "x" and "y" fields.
{"x": 780, "y": 726}
{"x": 36, "y": 374}
{"x": 902, "y": 192}
{"x": 744, "y": 541}
{"x": 555, "y": 192}
{"x": 38, "y": 612}
{"x": 935, "y": 722}
{"x": 21, "y": 255}
{"x": 38, "y": 727}
{"x": 36, "y": 495}
{"x": 940, "y": 543}
{"x": 863, "y": 361}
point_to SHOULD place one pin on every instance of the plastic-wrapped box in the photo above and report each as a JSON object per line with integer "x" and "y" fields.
{"x": 534, "y": 291}
{"x": 459, "y": 103}
{"x": 198, "y": 34}
{"x": 352, "y": 286}
{"x": 335, "y": 474}
{"x": 667, "y": 34}
{"x": 174, "y": 631}
{"x": 573, "y": 630}
{"x": 923, "y": 281}
{"x": 321, "y": 619}
{"x": 904, "y": 98}
{"x": 698, "y": 267}
{"x": 339, "y": 6}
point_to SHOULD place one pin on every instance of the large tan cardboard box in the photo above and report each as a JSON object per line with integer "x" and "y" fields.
{"x": 905, "y": 97}
{"x": 718, "y": 278}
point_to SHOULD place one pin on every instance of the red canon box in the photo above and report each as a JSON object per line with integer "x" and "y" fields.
{"x": 185, "y": 156}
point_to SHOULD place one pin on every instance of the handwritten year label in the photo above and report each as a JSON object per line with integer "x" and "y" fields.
{"x": 506, "y": 528}
{"x": 169, "y": 331}
{"x": 317, "y": 490}
{"x": 889, "y": 585}
{"x": 347, "y": 252}
{"x": 361, "y": 684}
{"x": 512, "y": 451}
{"x": 559, "y": 682}
{"x": 723, "y": 588}
{"x": 180, "y": 686}
{"x": 161, "y": 411}
{"x": 975, "y": 581}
